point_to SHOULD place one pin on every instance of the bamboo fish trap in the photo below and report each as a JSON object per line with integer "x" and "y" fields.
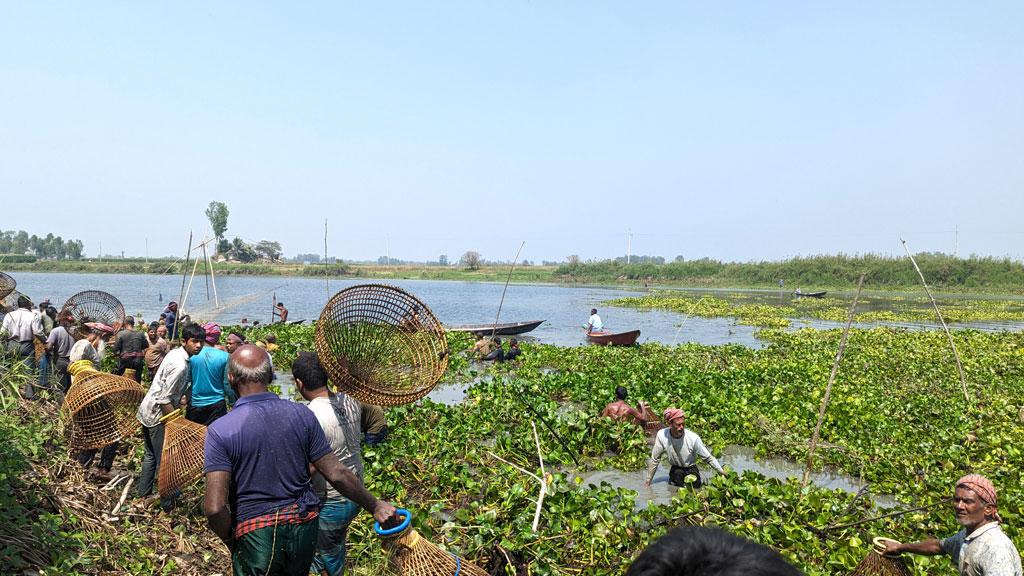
{"x": 381, "y": 345}
{"x": 7, "y": 285}
{"x": 410, "y": 554}
{"x": 92, "y": 306}
{"x": 9, "y": 303}
{"x": 876, "y": 564}
{"x": 181, "y": 460}
{"x": 99, "y": 408}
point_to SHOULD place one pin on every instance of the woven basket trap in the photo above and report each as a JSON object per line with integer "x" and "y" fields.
{"x": 7, "y": 285}
{"x": 381, "y": 345}
{"x": 100, "y": 408}
{"x": 9, "y": 303}
{"x": 181, "y": 461}
{"x": 410, "y": 554}
{"x": 875, "y": 564}
{"x": 92, "y": 306}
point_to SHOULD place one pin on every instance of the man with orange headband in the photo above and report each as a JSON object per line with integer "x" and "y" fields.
{"x": 683, "y": 447}
{"x": 980, "y": 548}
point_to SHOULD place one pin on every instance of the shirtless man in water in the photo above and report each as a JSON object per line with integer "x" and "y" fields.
{"x": 620, "y": 410}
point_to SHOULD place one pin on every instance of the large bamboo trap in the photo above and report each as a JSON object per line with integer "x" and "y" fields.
{"x": 381, "y": 345}
{"x": 7, "y": 285}
{"x": 876, "y": 564}
{"x": 92, "y": 306}
{"x": 181, "y": 460}
{"x": 410, "y": 554}
{"x": 99, "y": 408}
{"x": 9, "y": 303}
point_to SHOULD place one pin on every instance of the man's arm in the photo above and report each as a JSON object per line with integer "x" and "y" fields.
{"x": 704, "y": 453}
{"x": 344, "y": 481}
{"x": 930, "y": 547}
{"x": 218, "y": 515}
{"x": 652, "y": 464}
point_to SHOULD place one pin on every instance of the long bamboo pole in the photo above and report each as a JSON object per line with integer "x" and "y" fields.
{"x": 505, "y": 289}
{"x": 828, "y": 387}
{"x": 213, "y": 278}
{"x": 949, "y": 335}
{"x": 181, "y": 294}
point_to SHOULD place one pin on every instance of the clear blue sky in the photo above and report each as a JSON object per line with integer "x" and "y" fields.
{"x": 735, "y": 130}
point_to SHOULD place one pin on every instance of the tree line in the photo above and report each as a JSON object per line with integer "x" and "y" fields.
{"x": 50, "y": 246}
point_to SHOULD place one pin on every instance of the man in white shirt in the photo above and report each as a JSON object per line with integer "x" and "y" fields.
{"x": 21, "y": 327}
{"x": 594, "y": 324}
{"x": 683, "y": 447}
{"x": 163, "y": 397}
{"x": 85, "y": 349}
{"x": 340, "y": 417}
{"x": 980, "y": 548}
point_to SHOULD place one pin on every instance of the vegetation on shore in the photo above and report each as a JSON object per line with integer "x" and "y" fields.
{"x": 440, "y": 460}
{"x": 769, "y": 311}
{"x": 943, "y": 272}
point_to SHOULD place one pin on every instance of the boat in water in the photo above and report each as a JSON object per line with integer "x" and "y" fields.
{"x": 605, "y": 338}
{"x": 504, "y": 329}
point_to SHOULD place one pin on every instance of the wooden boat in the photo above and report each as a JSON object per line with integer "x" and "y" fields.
{"x": 800, "y": 294}
{"x": 604, "y": 338}
{"x": 505, "y": 329}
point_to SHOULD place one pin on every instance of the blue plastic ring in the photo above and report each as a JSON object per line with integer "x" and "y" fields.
{"x": 401, "y": 527}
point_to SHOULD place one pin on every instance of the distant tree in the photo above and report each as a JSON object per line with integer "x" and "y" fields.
{"x": 471, "y": 260}
{"x": 217, "y": 212}
{"x": 223, "y": 246}
{"x": 442, "y": 260}
{"x": 242, "y": 252}
{"x": 679, "y": 259}
{"x": 6, "y": 238}
{"x": 572, "y": 260}
{"x": 311, "y": 258}
{"x": 268, "y": 249}
{"x": 20, "y": 243}
{"x": 74, "y": 249}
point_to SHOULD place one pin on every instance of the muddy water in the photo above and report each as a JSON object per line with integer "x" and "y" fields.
{"x": 736, "y": 458}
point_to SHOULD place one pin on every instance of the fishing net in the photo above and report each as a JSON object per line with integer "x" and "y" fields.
{"x": 410, "y": 554}
{"x": 381, "y": 345}
{"x": 7, "y": 285}
{"x": 92, "y": 306}
{"x": 181, "y": 461}
{"x": 99, "y": 409}
{"x": 875, "y": 564}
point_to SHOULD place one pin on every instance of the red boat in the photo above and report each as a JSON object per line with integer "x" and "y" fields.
{"x": 605, "y": 338}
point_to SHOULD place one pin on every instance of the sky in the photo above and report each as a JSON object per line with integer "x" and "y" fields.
{"x": 740, "y": 131}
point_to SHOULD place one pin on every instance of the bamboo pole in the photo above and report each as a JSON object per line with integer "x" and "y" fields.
{"x": 181, "y": 294}
{"x": 949, "y": 335}
{"x": 828, "y": 387}
{"x": 206, "y": 268}
{"x": 181, "y": 305}
{"x": 507, "y": 280}
{"x": 542, "y": 479}
{"x": 213, "y": 279}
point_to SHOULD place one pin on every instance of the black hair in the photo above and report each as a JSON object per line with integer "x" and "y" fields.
{"x": 620, "y": 392}
{"x": 271, "y": 338}
{"x": 51, "y": 312}
{"x": 24, "y": 302}
{"x": 279, "y": 303}
{"x": 497, "y": 340}
{"x": 593, "y": 310}
{"x": 193, "y": 332}
{"x": 708, "y": 551}
{"x": 307, "y": 368}
{"x": 129, "y": 320}
{"x": 238, "y": 334}
{"x": 154, "y": 325}
{"x": 513, "y": 342}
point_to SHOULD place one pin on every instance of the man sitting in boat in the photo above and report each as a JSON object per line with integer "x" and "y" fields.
{"x": 594, "y": 324}
{"x": 620, "y": 410}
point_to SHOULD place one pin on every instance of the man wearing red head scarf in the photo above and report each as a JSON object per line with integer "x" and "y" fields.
{"x": 683, "y": 447}
{"x": 980, "y": 548}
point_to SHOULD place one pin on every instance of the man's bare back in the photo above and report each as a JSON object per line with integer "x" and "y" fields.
{"x": 620, "y": 410}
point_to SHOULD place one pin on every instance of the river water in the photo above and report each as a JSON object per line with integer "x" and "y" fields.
{"x": 565, "y": 309}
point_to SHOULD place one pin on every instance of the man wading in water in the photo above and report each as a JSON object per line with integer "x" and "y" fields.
{"x": 683, "y": 447}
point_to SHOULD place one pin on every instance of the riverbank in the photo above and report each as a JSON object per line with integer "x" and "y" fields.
{"x": 836, "y": 273}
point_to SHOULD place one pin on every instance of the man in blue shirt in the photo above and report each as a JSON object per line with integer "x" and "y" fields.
{"x": 257, "y": 458}
{"x": 211, "y": 393}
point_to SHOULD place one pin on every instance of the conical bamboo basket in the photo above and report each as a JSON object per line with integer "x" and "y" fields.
{"x": 410, "y": 554}
{"x": 181, "y": 461}
{"x": 99, "y": 408}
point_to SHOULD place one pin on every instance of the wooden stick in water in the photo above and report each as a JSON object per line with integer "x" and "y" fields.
{"x": 507, "y": 280}
{"x": 956, "y": 355}
{"x": 828, "y": 387}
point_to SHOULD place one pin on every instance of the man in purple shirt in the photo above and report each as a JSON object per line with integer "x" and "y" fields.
{"x": 257, "y": 458}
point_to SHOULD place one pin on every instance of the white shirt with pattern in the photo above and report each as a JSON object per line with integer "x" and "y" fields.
{"x": 170, "y": 382}
{"x": 339, "y": 416}
{"x": 986, "y": 552}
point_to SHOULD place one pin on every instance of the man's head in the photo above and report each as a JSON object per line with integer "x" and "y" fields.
{"x": 513, "y": 343}
{"x": 497, "y": 340}
{"x": 44, "y": 305}
{"x": 129, "y": 322}
{"x": 24, "y": 302}
{"x": 708, "y": 551}
{"x": 249, "y": 370}
{"x": 280, "y": 305}
{"x": 172, "y": 306}
{"x": 151, "y": 330}
{"x": 974, "y": 501}
{"x": 51, "y": 312}
{"x": 310, "y": 376}
{"x": 593, "y": 310}
{"x": 235, "y": 339}
{"x": 161, "y": 331}
{"x": 212, "y": 333}
{"x": 271, "y": 339}
{"x": 676, "y": 420}
{"x": 192, "y": 338}
{"x": 620, "y": 392}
